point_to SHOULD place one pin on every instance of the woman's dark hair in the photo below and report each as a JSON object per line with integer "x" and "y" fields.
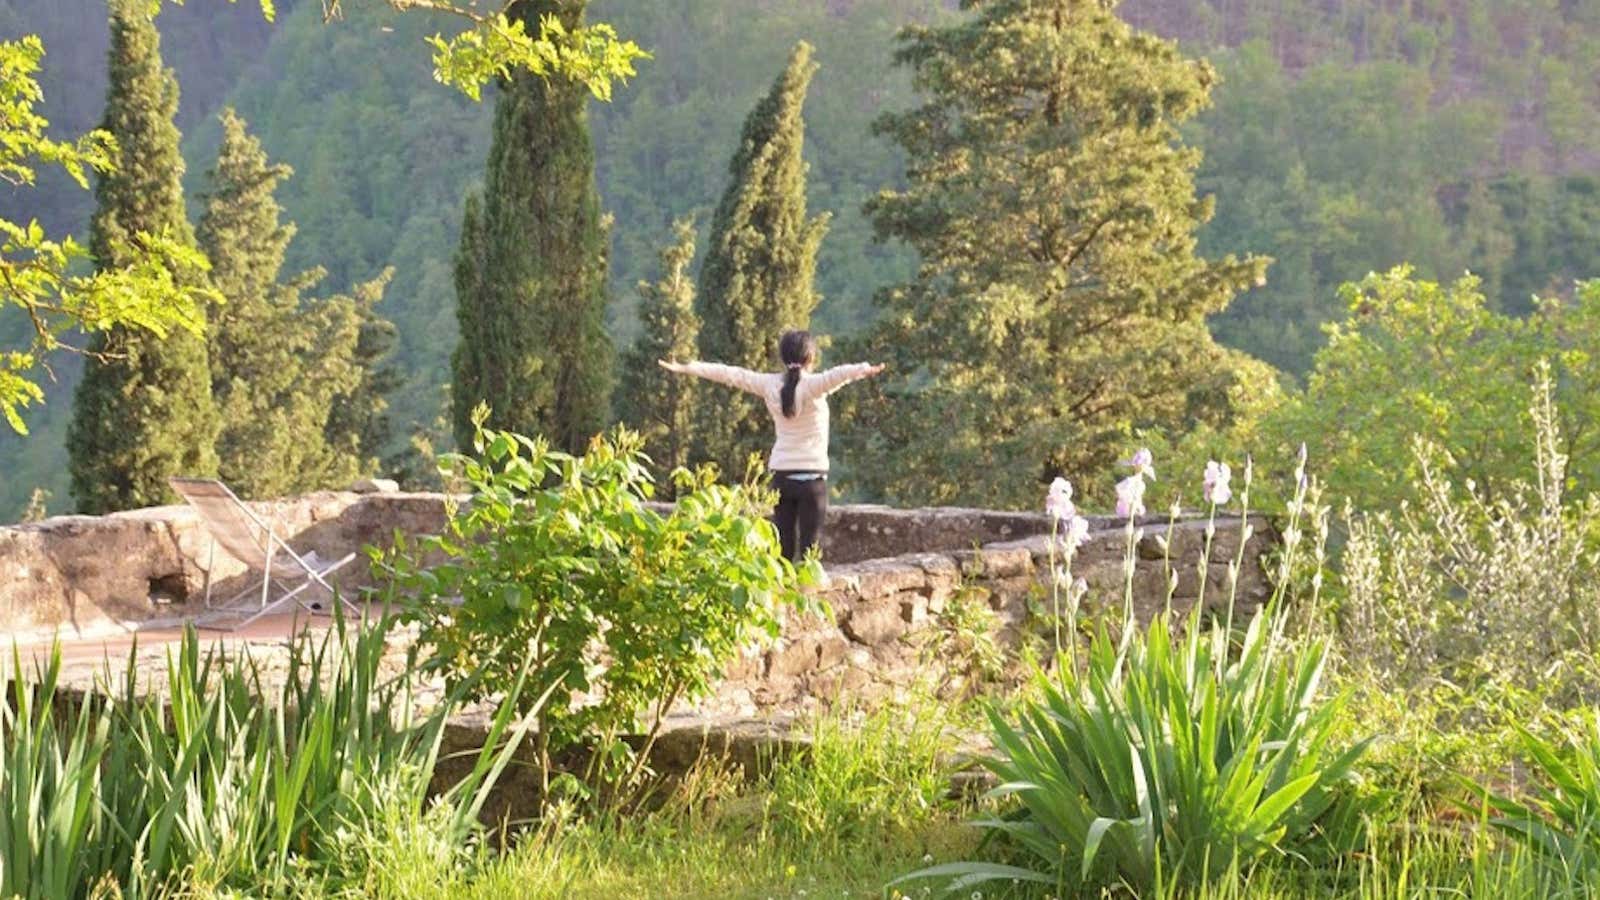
{"x": 798, "y": 350}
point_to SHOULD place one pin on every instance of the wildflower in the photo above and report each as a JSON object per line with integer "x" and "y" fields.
{"x": 1058, "y": 503}
{"x": 1218, "y": 490}
{"x": 1143, "y": 463}
{"x": 1130, "y": 496}
{"x": 1076, "y": 532}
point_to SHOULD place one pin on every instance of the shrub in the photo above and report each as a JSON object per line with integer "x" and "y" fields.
{"x": 1417, "y": 358}
{"x": 558, "y": 569}
{"x": 1473, "y": 587}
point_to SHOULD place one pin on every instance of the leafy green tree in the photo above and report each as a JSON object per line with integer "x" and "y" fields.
{"x": 144, "y": 410}
{"x": 1059, "y": 300}
{"x": 1417, "y": 359}
{"x": 531, "y": 268}
{"x": 279, "y": 364}
{"x": 36, "y": 278}
{"x": 756, "y": 280}
{"x": 497, "y": 42}
{"x": 659, "y": 405}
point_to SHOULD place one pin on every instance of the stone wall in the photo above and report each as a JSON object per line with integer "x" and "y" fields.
{"x": 891, "y": 572}
{"x": 885, "y": 624}
{"x": 92, "y": 574}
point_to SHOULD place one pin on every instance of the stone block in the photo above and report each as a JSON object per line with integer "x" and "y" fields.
{"x": 913, "y": 609}
{"x": 874, "y": 622}
{"x": 793, "y": 658}
{"x": 831, "y": 650}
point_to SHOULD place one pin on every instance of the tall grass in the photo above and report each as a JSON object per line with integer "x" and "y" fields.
{"x": 227, "y": 777}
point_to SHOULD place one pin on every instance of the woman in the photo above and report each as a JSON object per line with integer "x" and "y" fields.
{"x": 798, "y": 402}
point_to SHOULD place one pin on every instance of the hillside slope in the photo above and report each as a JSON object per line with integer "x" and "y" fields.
{"x": 1347, "y": 135}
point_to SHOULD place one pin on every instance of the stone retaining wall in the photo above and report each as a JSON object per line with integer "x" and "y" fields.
{"x": 892, "y": 573}
{"x": 89, "y": 573}
{"x": 887, "y": 614}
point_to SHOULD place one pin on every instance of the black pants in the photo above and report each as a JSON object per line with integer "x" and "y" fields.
{"x": 802, "y": 505}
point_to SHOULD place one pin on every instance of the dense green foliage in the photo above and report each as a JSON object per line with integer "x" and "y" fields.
{"x": 142, "y": 293}
{"x": 760, "y": 261}
{"x": 1059, "y": 298}
{"x": 1481, "y": 583}
{"x": 206, "y": 780}
{"x": 1417, "y": 359}
{"x": 497, "y": 42}
{"x": 531, "y": 269}
{"x": 557, "y": 570}
{"x": 144, "y": 411}
{"x": 660, "y": 406}
{"x": 279, "y": 364}
{"x": 1344, "y": 138}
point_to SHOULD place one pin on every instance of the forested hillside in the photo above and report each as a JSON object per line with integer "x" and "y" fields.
{"x": 1345, "y": 137}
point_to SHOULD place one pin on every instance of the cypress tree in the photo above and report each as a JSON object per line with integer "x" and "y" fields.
{"x": 660, "y": 405}
{"x": 279, "y": 363}
{"x": 531, "y": 266}
{"x": 756, "y": 280}
{"x": 359, "y": 427}
{"x": 143, "y": 411}
{"x": 1059, "y": 301}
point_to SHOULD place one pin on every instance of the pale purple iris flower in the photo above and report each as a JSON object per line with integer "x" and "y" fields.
{"x": 1058, "y": 503}
{"x": 1130, "y": 496}
{"x": 1076, "y": 533}
{"x": 1143, "y": 463}
{"x": 1217, "y": 487}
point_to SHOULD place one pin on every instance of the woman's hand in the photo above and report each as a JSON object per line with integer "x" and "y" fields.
{"x": 875, "y": 369}
{"x": 670, "y": 366}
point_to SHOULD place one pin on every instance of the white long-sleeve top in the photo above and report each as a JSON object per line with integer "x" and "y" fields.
{"x": 802, "y": 439}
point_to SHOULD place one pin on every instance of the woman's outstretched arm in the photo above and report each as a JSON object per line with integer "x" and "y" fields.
{"x": 732, "y": 376}
{"x": 837, "y": 377}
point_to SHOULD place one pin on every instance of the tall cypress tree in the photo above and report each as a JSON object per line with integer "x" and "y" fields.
{"x": 143, "y": 411}
{"x": 279, "y": 363}
{"x": 1059, "y": 299}
{"x": 531, "y": 266}
{"x": 660, "y": 405}
{"x": 756, "y": 280}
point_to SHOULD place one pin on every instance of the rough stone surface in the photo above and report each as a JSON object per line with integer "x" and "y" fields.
{"x": 86, "y": 574}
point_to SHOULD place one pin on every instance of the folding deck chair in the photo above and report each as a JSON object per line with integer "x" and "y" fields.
{"x": 245, "y": 537}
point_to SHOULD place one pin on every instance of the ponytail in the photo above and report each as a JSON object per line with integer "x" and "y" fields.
{"x": 791, "y": 380}
{"x": 797, "y": 349}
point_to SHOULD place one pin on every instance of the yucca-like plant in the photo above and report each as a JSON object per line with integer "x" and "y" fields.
{"x": 225, "y": 780}
{"x": 1163, "y": 758}
{"x": 49, "y": 786}
{"x": 1558, "y": 818}
{"x": 1165, "y": 761}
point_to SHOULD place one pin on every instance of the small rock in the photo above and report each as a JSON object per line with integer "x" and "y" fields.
{"x": 376, "y": 486}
